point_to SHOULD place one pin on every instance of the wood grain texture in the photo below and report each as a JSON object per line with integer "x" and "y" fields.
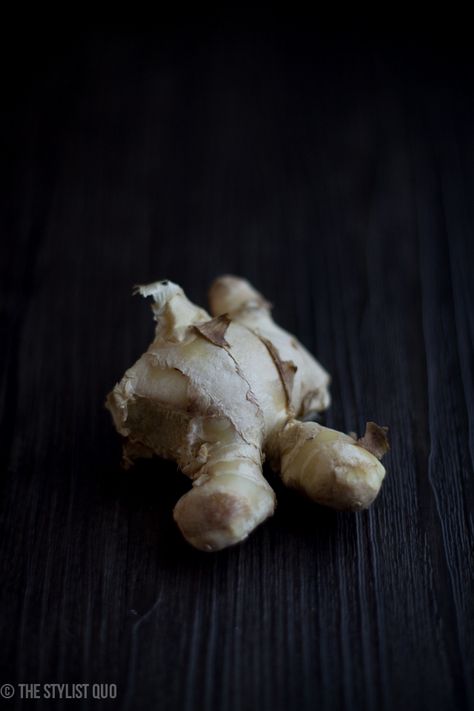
{"x": 339, "y": 178}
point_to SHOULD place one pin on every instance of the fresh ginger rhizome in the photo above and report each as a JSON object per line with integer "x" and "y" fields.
{"x": 219, "y": 394}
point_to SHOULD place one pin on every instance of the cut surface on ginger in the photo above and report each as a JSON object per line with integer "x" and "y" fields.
{"x": 219, "y": 394}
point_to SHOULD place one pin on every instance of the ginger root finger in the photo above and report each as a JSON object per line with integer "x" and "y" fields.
{"x": 222, "y": 510}
{"x": 330, "y": 467}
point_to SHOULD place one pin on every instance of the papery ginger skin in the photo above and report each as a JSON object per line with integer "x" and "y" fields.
{"x": 220, "y": 393}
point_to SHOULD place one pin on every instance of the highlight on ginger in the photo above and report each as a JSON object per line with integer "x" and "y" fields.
{"x": 220, "y": 393}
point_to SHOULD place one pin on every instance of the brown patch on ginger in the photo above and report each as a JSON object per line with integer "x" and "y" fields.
{"x": 286, "y": 368}
{"x": 215, "y": 512}
{"x": 214, "y": 330}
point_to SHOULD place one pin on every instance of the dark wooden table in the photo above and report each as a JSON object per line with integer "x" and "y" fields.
{"x": 338, "y": 176}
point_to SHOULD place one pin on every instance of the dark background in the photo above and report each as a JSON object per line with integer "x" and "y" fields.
{"x": 336, "y": 172}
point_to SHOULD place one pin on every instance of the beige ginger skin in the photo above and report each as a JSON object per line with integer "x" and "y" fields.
{"x": 220, "y": 393}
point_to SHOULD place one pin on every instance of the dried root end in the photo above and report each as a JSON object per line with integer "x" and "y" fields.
{"x": 375, "y": 440}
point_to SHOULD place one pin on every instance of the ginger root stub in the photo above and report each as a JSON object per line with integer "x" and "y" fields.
{"x": 219, "y": 394}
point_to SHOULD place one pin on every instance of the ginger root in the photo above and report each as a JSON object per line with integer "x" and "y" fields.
{"x": 218, "y": 394}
